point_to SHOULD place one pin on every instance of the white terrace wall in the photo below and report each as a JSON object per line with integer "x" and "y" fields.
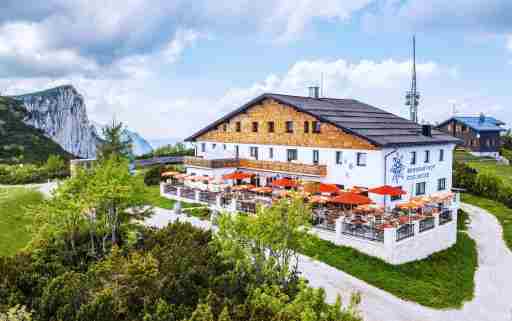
{"x": 417, "y": 247}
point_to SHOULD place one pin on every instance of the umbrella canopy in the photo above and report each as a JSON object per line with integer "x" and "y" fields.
{"x": 351, "y": 199}
{"x": 263, "y": 190}
{"x": 180, "y": 176}
{"x": 329, "y": 188}
{"x": 285, "y": 182}
{"x": 319, "y": 199}
{"x": 237, "y": 176}
{"x": 169, "y": 174}
{"x": 242, "y": 187}
{"x": 411, "y": 205}
{"x": 357, "y": 189}
{"x": 387, "y": 190}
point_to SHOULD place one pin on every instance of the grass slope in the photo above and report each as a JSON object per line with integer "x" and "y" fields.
{"x": 502, "y": 171}
{"x": 19, "y": 142}
{"x": 444, "y": 280}
{"x": 14, "y": 234}
{"x": 502, "y": 213}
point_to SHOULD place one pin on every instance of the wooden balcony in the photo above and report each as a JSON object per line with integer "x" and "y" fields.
{"x": 285, "y": 167}
{"x": 210, "y": 163}
{"x": 271, "y": 166}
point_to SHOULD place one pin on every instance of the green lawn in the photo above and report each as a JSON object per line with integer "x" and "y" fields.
{"x": 502, "y": 213}
{"x": 14, "y": 233}
{"x": 500, "y": 170}
{"x": 444, "y": 280}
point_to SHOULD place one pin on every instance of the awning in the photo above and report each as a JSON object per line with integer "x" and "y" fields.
{"x": 387, "y": 190}
{"x": 237, "y": 175}
{"x": 285, "y": 182}
{"x": 351, "y": 199}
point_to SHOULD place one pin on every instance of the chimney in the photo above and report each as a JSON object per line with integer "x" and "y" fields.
{"x": 314, "y": 92}
{"x": 426, "y": 130}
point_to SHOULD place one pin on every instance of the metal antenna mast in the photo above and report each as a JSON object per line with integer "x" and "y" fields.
{"x": 412, "y": 97}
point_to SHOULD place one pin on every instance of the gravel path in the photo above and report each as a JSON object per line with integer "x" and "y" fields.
{"x": 45, "y": 188}
{"x": 493, "y": 293}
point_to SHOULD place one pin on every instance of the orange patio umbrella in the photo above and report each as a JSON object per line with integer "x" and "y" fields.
{"x": 319, "y": 199}
{"x": 350, "y": 198}
{"x": 285, "y": 182}
{"x": 329, "y": 188}
{"x": 387, "y": 190}
{"x": 237, "y": 175}
{"x": 263, "y": 190}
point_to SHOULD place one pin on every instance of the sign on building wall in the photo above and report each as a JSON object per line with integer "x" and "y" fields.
{"x": 399, "y": 171}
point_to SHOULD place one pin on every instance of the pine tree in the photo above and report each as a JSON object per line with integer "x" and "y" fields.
{"x": 114, "y": 144}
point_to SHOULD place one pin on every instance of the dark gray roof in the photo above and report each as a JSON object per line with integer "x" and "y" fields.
{"x": 371, "y": 123}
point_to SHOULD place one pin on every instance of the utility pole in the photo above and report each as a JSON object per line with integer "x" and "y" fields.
{"x": 412, "y": 97}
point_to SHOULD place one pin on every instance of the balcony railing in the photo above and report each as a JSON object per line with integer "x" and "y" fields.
{"x": 273, "y": 166}
{"x": 287, "y": 167}
{"x": 362, "y": 231}
{"x": 404, "y": 231}
{"x": 445, "y": 217}
{"x": 211, "y": 163}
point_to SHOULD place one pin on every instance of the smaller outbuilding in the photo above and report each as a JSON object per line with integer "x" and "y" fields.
{"x": 481, "y": 135}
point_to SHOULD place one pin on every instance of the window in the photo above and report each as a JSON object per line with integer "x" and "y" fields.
{"x": 237, "y": 151}
{"x": 427, "y": 156}
{"x": 214, "y": 145}
{"x": 316, "y": 157}
{"x": 270, "y": 126}
{"x": 413, "y": 158}
{"x": 271, "y": 152}
{"x": 339, "y": 158}
{"x": 289, "y": 127}
{"x": 292, "y": 154}
{"x": 441, "y": 155}
{"x": 316, "y": 127}
{"x": 225, "y": 127}
{"x": 361, "y": 159}
{"x": 441, "y": 184}
{"x": 306, "y": 127}
{"x": 224, "y": 146}
{"x": 421, "y": 188}
{"x": 396, "y": 197}
{"x": 254, "y": 152}
{"x": 203, "y": 147}
{"x": 238, "y": 126}
{"x": 254, "y": 126}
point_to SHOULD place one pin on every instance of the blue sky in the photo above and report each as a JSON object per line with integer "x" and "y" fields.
{"x": 166, "y": 68}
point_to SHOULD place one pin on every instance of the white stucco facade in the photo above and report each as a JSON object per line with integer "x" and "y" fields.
{"x": 386, "y": 166}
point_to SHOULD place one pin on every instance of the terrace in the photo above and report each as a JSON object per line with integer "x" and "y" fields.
{"x": 406, "y": 232}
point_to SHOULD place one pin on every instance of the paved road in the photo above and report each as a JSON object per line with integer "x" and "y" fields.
{"x": 493, "y": 293}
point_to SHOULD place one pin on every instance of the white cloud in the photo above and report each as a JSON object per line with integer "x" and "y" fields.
{"x": 509, "y": 42}
{"x": 480, "y": 16}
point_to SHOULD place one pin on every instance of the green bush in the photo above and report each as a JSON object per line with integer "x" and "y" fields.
{"x": 29, "y": 173}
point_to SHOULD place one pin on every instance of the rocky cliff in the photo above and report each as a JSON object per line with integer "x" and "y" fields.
{"x": 61, "y": 114}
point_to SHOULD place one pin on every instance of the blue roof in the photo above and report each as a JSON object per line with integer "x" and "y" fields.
{"x": 481, "y": 123}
